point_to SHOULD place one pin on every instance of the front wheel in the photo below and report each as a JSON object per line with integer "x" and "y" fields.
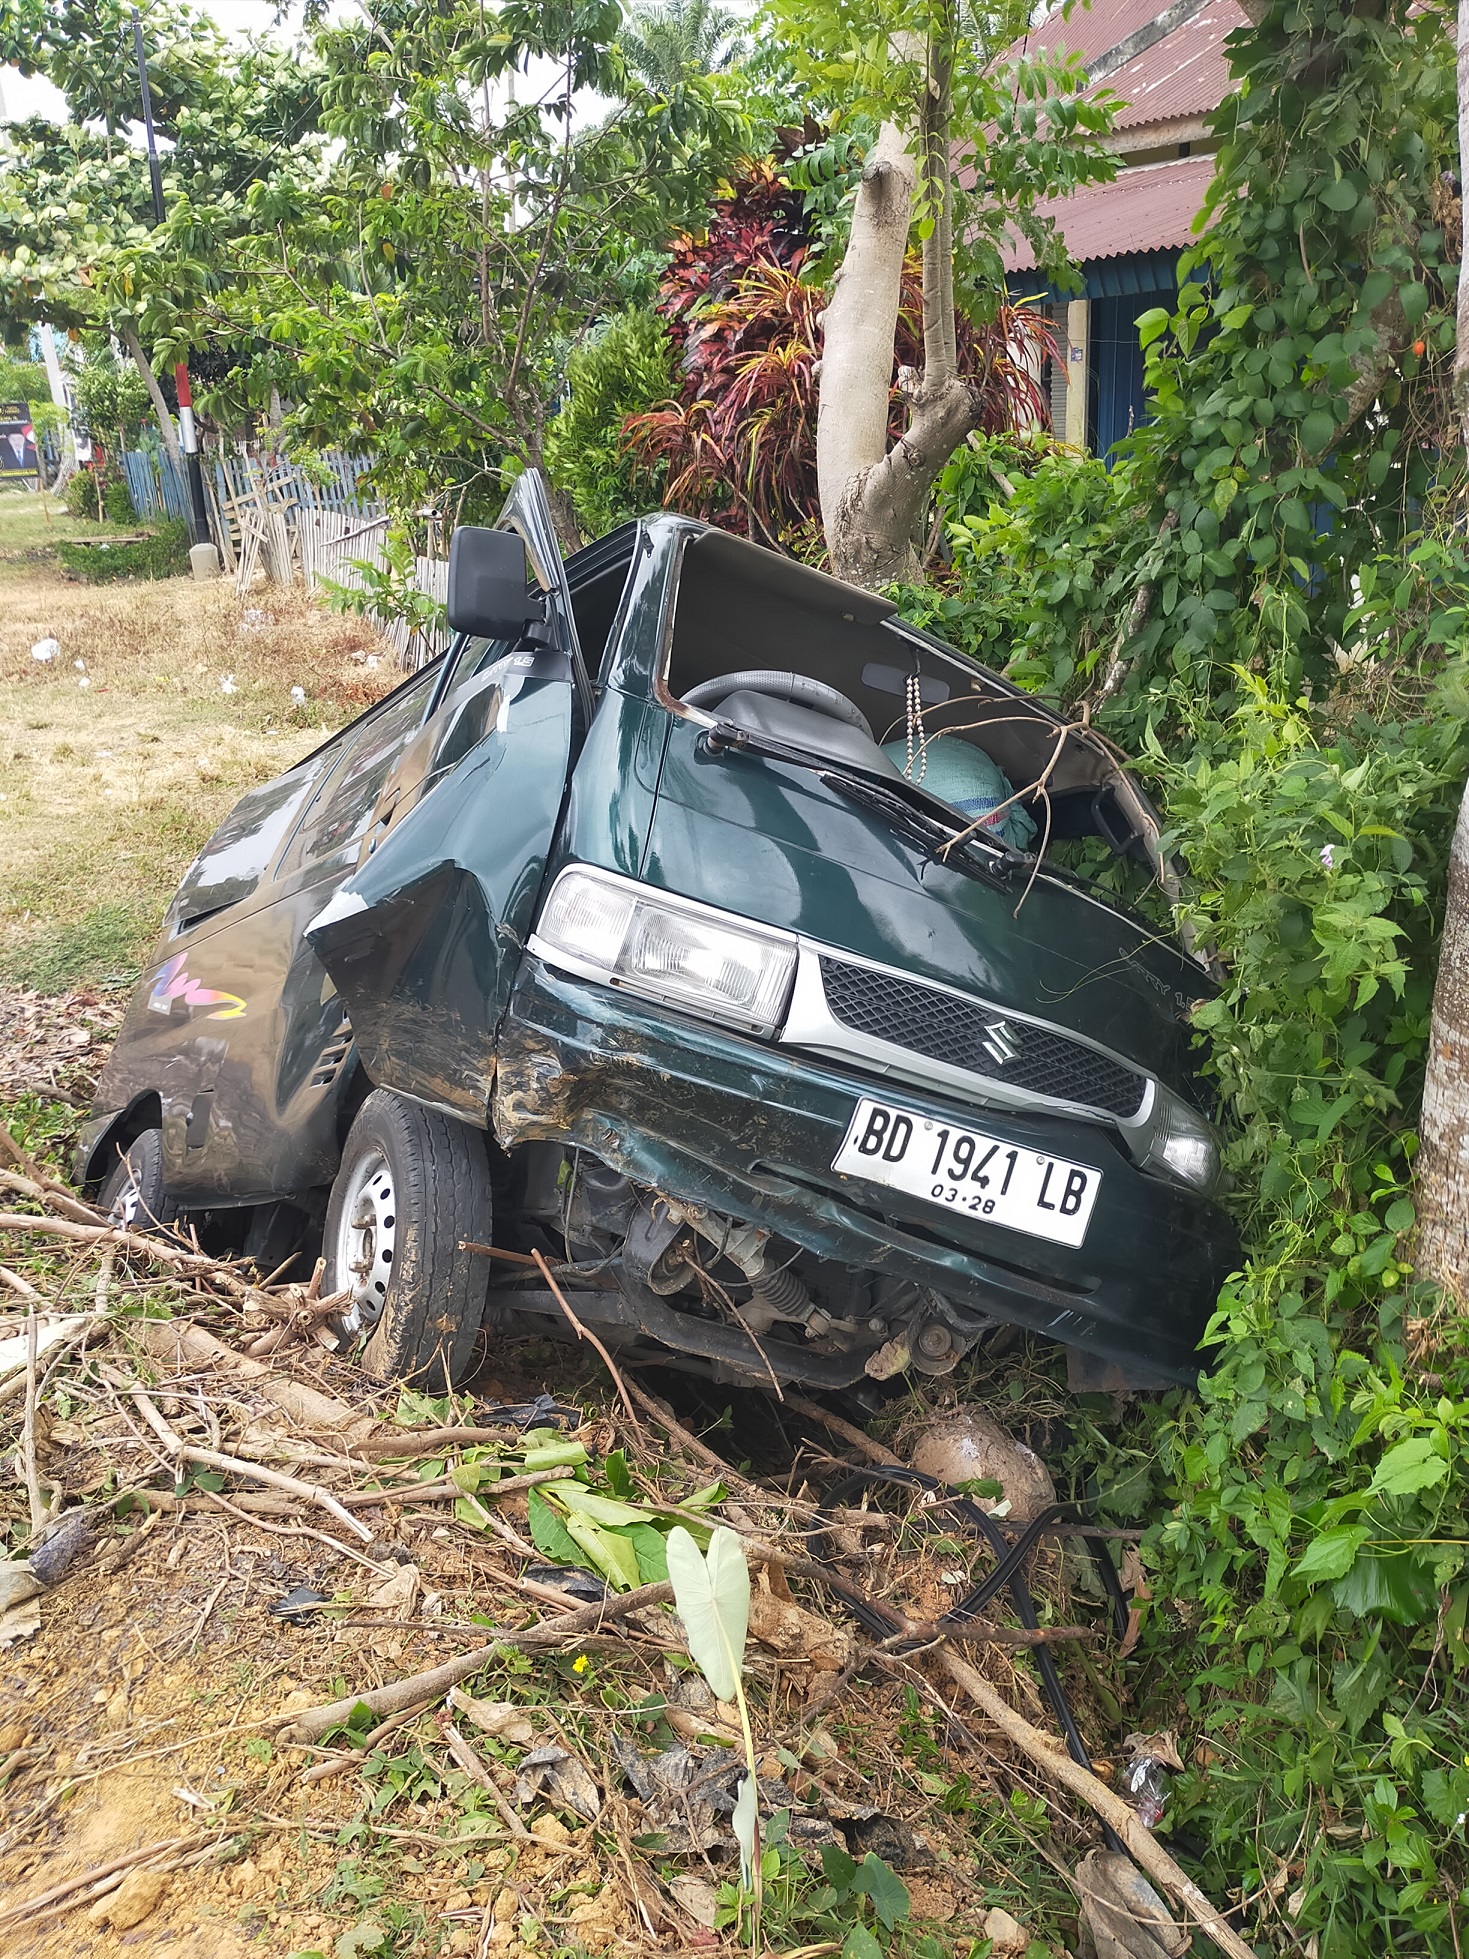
{"x": 132, "y": 1192}
{"x": 413, "y": 1185}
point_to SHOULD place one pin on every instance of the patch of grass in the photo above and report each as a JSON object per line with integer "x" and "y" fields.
{"x": 163, "y": 553}
{"x": 166, "y": 702}
{"x": 106, "y": 943}
{"x": 31, "y": 528}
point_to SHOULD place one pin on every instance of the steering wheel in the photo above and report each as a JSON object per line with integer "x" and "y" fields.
{"x": 793, "y": 687}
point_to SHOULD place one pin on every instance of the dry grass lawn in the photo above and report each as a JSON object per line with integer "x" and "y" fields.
{"x": 119, "y": 756}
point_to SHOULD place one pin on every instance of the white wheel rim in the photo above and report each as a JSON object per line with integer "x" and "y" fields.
{"x": 365, "y": 1241}
{"x": 128, "y": 1201}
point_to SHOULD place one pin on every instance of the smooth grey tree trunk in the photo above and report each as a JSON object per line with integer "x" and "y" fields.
{"x": 1442, "y": 1243}
{"x": 128, "y": 334}
{"x": 874, "y": 498}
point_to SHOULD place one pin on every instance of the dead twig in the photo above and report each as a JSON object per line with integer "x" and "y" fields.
{"x": 471, "y": 1764}
{"x": 313, "y": 1722}
{"x": 1142, "y": 1845}
{"x": 857, "y": 1438}
{"x": 28, "y": 1430}
{"x": 13, "y": 1914}
{"x": 448, "y": 1489}
{"x": 427, "y": 1441}
{"x": 585, "y": 1333}
{"x": 700, "y": 1451}
{"x": 183, "y": 1451}
{"x": 352, "y": 1758}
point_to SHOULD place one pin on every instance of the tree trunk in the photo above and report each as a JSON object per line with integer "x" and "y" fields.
{"x": 128, "y": 334}
{"x": 873, "y": 498}
{"x": 858, "y": 334}
{"x": 1441, "y": 1251}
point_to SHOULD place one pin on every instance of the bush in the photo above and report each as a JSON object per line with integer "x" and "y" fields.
{"x": 624, "y": 369}
{"x": 82, "y": 493}
{"x": 164, "y": 553}
{"x": 117, "y": 501}
{"x": 1042, "y": 542}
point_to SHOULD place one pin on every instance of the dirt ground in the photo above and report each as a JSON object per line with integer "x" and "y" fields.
{"x": 143, "y": 1704}
{"x": 160, "y": 704}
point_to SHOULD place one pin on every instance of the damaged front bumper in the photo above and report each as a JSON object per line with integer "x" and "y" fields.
{"x": 715, "y": 1119}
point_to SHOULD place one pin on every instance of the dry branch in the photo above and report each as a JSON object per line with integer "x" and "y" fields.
{"x": 13, "y": 1914}
{"x": 1142, "y": 1845}
{"x": 427, "y": 1441}
{"x": 183, "y": 1451}
{"x": 314, "y": 1722}
{"x": 447, "y": 1490}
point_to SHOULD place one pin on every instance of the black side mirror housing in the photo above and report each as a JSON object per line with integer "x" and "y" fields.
{"x": 488, "y": 584}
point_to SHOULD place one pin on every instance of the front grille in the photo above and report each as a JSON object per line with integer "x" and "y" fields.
{"x": 981, "y": 1040}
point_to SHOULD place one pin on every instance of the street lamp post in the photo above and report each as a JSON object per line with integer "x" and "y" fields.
{"x": 188, "y": 433}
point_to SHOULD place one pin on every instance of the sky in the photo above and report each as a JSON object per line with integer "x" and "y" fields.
{"x": 34, "y": 96}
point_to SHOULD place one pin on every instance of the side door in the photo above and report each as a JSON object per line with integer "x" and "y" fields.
{"x": 249, "y": 1103}
{"x": 424, "y": 939}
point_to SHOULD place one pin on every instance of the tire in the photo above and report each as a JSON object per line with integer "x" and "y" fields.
{"x": 132, "y": 1191}
{"x": 412, "y": 1184}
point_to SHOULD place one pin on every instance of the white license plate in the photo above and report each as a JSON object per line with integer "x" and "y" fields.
{"x": 963, "y": 1170}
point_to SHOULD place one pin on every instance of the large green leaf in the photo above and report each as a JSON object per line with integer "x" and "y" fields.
{"x": 1331, "y": 1554}
{"x": 713, "y": 1599}
{"x": 601, "y": 1509}
{"x": 609, "y": 1550}
{"x": 548, "y": 1532}
{"x": 1411, "y": 1465}
{"x": 1399, "y": 1588}
{"x": 886, "y": 1889}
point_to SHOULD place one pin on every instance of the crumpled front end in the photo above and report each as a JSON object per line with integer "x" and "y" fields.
{"x": 709, "y": 1118}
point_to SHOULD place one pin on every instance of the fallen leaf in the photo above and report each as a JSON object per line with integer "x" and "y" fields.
{"x": 505, "y": 1720}
{"x": 562, "y": 1778}
{"x": 698, "y": 1899}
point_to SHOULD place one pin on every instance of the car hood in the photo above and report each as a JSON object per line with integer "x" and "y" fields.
{"x": 774, "y": 842}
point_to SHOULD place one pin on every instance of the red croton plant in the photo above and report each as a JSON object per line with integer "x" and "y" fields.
{"x": 739, "y": 442}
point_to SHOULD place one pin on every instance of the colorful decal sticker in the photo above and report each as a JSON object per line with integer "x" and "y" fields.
{"x": 173, "y": 983}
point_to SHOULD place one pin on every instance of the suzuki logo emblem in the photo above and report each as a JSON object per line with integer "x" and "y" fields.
{"x": 999, "y": 1043}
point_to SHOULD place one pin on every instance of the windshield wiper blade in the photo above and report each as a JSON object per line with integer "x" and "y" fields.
{"x": 921, "y": 817}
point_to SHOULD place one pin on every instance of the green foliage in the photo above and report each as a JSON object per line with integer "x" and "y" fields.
{"x": 860, "y": 1908}
{"x": 111, "y": 397}
{"x": 623, "y": 368}
{"x": 164, "y": 553}
{"x": 389, "y": 592}
{"x": 1278, "y": 569}
{"x": 22, "y": 380}
{"x": 664, "y": 41}
{"x": 1019, "y": 131}
{"x": 85, "y": 492}
{"x": 1042, "y": 543}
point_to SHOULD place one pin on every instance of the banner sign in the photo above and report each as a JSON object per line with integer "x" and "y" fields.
{"x": 17, "y": 442}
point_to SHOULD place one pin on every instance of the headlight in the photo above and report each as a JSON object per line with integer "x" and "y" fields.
{"x": 1180, "y": 1143}
{"x": 669, "y": 949}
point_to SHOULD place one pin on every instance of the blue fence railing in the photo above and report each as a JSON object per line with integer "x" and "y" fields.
{"x": 153, "y": 484}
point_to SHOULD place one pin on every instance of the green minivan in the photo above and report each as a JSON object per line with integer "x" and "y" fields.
{"x": 695, "y": 951}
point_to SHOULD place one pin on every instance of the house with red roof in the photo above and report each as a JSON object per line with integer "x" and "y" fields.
{"x": 1167, "y": 64}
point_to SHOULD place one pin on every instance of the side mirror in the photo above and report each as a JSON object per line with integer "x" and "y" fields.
{"x": 488, "y": 580}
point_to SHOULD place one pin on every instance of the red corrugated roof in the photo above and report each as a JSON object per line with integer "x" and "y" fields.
{"x": 1150, "y": 207}
{"x": 1182, "y": 74}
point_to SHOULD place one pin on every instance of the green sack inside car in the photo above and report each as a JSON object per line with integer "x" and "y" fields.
{"x": 967, "y": 780}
